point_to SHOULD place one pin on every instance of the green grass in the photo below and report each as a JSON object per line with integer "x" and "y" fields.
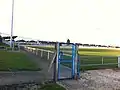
{"x": 52, "y": 86}
{"x": 93, "y": 56}
{"x": 2, "y": 44}
{"x": 16, "y": 61}
{"x": 99, "y": 52}
{"x": 88, "y": 51}
{"x": 94, "y": 59}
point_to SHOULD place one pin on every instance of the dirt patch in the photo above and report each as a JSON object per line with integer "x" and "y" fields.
{"x": 106, "y": 79}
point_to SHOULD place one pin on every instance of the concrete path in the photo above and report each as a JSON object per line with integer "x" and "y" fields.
{"x": 8, "y": 78}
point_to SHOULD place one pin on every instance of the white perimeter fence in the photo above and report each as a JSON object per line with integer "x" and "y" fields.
{"x": 84, "y": 60}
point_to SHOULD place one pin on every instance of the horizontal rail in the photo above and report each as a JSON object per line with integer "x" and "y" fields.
{"x": 41, "y": 49}
{"x": 98, "y": 64}
{"x": 65, "y": 61}
{"x": 96, "y": 56}
{"x": 68, "y": 54}
{"x": 48, "y": 51}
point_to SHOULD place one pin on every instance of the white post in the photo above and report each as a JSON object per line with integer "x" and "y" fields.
{"x": 11, "y": 37}
{"x": 33, "y": 50}
{"x": 102, "y": 60}
{"x": 48, "y": 55}
{"x": 30, "y": 50}
{"x": 19, "y": 46}
{"x": 118, "y": 61}
{"x": 41, "y": 53}
{"x": 36, "y": 51}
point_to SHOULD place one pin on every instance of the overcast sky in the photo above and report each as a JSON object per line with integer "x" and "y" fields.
{"x": 84, "y": 21}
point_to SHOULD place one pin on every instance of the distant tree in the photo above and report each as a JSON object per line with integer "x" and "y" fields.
{"x": 86, "y": 45}
{"x": 0, "y": 39}
{"x": 80, "y": 44}
{"x": 32, "y": 41}
{"x": 117, "y": 47}
{"x": 68, "y": 41}
{"x": 92, "y": 45}
{"x": 21, "y": 40}
{"x": 99, "y": 45}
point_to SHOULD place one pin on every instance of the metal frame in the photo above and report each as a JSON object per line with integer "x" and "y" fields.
{"x": 75, "y": 69}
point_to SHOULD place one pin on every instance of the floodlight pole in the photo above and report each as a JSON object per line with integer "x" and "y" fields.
{"x": 11, "y": 37}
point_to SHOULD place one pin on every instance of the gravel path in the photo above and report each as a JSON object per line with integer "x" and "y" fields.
{"x": 107, "y": 79}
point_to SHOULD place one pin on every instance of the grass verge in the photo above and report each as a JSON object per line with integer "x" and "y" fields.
{"x": 52, "y": 86}
{"x": 16, "y": 61}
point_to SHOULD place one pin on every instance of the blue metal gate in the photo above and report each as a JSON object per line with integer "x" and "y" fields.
{"x": 73, "y": 62}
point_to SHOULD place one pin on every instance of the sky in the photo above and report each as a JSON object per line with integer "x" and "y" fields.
{"x": 83, "y": 21}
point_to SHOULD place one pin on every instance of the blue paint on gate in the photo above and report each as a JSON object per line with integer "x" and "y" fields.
{"x": 78, "y": 67}
{"x": 70, "y": 61}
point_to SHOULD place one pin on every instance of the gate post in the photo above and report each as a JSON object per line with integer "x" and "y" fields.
{"x": 73, "y": 61}
{"x": 76, "y": 61}
{"x": 56, "y": 62}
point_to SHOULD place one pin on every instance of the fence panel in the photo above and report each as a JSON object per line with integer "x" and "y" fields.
{"x": 98, "y": 62}
{"x": 45, "y": 54}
